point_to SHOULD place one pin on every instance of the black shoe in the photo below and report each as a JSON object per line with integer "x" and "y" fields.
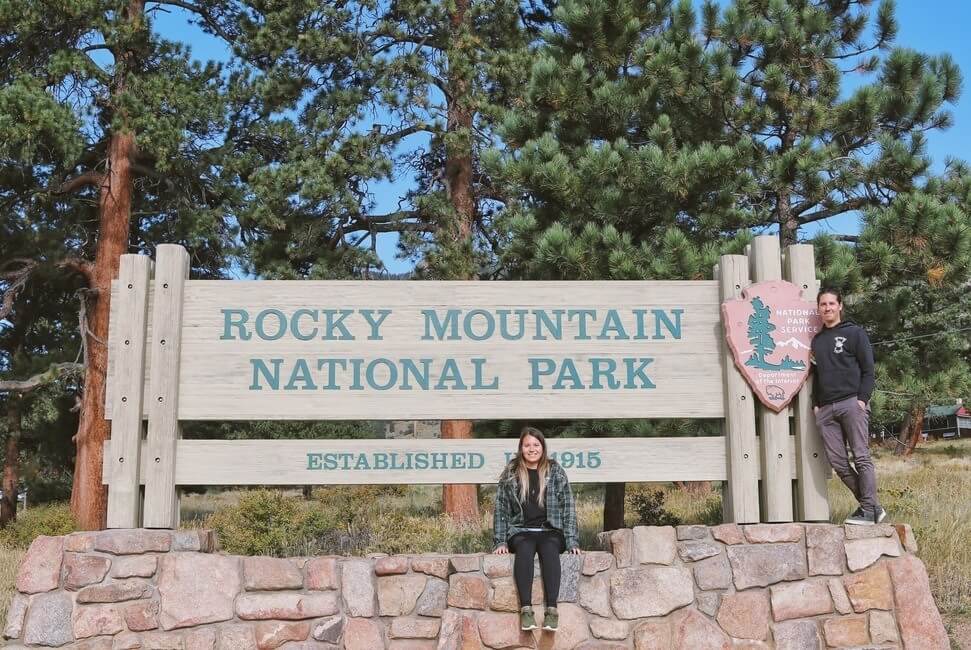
{"x": 879, "y": 514}
{"x": 860, "y": 517}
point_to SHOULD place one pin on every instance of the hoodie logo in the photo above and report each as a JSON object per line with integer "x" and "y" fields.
{"x": 838, "y": 348}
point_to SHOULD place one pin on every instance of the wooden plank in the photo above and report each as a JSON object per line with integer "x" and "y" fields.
{"x": 126, "y": 344}
{"x": 161, "y": 500}
{"x": 741, "y": 505}
{"x": 812, "y": 468}
{"x": 773, "y": 427}
{"x": 217, "y": 373}
{"x": 285, "y": 462}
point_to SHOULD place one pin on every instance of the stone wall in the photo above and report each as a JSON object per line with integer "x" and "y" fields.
{"x": 785, "y": 586}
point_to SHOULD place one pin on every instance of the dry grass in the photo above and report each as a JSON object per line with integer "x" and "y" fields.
{"x": 9, "y": 561}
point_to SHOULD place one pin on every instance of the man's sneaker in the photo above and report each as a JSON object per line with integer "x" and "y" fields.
{"x": 527, "y": 619}
{"x": 864, "y": 516}
{"x": 879, "y": 514}
{"x": 551, "y": 619}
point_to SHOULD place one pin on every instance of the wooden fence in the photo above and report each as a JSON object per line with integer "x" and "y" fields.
{"x": 183, "y": 349}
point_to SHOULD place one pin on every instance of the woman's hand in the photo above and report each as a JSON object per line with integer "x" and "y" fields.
{"x": 502, "y": 549}
{"x": 574, "y": 551}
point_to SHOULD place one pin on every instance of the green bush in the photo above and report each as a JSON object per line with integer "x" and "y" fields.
{"x": 51, "y": 519}
{"x": 648, "y": 507}
{"x": 267, "y": 522}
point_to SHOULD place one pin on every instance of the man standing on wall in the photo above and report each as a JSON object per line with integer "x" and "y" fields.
{"x": 842, "y": 385}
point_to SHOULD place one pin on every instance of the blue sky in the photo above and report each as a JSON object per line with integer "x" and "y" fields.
{"x": 929, "y": 26}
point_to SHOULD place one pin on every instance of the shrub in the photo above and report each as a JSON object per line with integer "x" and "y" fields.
{"x": 267, "y": 522}
{"x": 51, "y": 519}
{"x": 648, "y": 507}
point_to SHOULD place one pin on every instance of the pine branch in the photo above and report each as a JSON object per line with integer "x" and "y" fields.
{"x": 79, "y": 265}
{"x": 206, "y": 17}
{"x": 87, "y": 179}
{"x": 52, "y": 374}
{"x": 391, "y": 222}
{"x": 846, "y": 206}
{"x": 404, "y": 133}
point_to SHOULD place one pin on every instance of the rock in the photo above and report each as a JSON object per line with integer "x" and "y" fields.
{"x": 906, "y": 536}
{"x": 273, "y": 634}
{"x": 414, "y": 628}
{"x": 270, "y": 573}
{"x": 162, "y": 641}
{"x": 761, "y": 565}
{"x": 499, "y": 630}
{"x": 870, "y": 589}
{"x": 838, "y": 593}
{"x": 141, "y": 616}
{"x": 862, "y": 553}
{"x": 133, "y": 541}
{"x": 95, "y": 620}
{"x": 713, "y": 573}
{"x": 800, "y": 600}
{"x": 116, "y": 592}
{"x": 83, "y": 570}
{"x": 745, "y": 614}
{"x": 49, "y": 620}
{"x": 824, "y": 545}
{"x": 728, "y": 534}
{"x": 322, "y": 573}
{"x": 203, "y": 638}
{"x": 883, "y": 627}
{"x": 329, "y": 629}
{"x": 497, "y": 566}
{"x": 796, "y": 635}
{"x": 40, "y": 570}
{"x": 286, "y": 606}
{"x": 198, "y": 540}
{"x": 79, "y": 542}
{"x": 468, "y": 591}
{"x": 16, "y": 612}
{"x": 692, "y": 532}
{"x": 595, "y": 596}
{"x": 398, "y": 594}
{"x": 845, "y": 631}
{"x": 505, "y": 596}
{"x": 694, "y": 630}
{"x": 650, "y": 591}
{"x": 433, "y": 565}
{"x": 595, "y": 561}
{"x": 459, "y": 631}
{"x": 433, "y": 600}
{"x": 241, "y": 636}
{"x": 597, "y": 644}
{"x": 919, "y": 619}
{"x": 573, "y": 628}
{"x": 391, "y": 565}
{"x": 707, "y": 602}
{"x": 357, "y": 588}
{"x": 130, "y": 641}
{"x": 569, "y": 577}
{"x": 412, "y": 644}
{"x": 196, "y": 588}
{"x": 362, "y": 634}
{"x": 465, "y": 563}
{"x": 772, "y": 533}
{"x": 655, "y": 544}
{"x": 748, "y": 644}
{"x": 134, "y": 566}
{"x": 694, "y": 551}
{"x": 608, "y": 628}
{"x": 653, "y": 635}
{"x": 869, "y": 532}
{"x": 621, "y": 545}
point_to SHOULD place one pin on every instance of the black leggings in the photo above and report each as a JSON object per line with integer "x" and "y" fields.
{"x": 549, "y": 545}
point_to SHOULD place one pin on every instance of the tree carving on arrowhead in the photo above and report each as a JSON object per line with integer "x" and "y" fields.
{"x": 759, "y": 335}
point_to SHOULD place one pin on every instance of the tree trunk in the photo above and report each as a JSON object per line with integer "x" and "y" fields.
{"x": 916, "y": 430}
{"x": 788, "y": 222}
{"x": 88, "y": 497}
{"x": 460, "y": 501}
{"x": 8, "y": 504}
{"x": 614, "y": 505}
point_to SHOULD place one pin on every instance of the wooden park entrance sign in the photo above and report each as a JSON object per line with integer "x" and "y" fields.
{"x": 183, "y": 349}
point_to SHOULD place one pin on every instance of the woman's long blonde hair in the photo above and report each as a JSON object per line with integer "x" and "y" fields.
{"x": 518, "y": 467}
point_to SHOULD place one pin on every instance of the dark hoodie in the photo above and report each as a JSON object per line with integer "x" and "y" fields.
{"x": 844, "y": 364}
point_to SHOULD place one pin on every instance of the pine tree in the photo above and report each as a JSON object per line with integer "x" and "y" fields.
{"x": 759, "y": 335}
{"x": 104, "y": 123}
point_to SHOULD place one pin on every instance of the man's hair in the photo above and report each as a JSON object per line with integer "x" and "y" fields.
{"x": 831, "y": 290}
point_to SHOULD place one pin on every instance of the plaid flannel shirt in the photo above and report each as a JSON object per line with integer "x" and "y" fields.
{"x": 561, "y": 510}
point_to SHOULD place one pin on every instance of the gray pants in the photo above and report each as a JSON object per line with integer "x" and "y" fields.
{"x": 845, "y": 423}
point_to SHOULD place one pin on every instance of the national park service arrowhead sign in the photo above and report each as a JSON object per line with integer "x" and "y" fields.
{"x": 769, "y": 332}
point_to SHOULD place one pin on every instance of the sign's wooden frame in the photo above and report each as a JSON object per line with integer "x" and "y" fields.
{"x": 160, "y": 373}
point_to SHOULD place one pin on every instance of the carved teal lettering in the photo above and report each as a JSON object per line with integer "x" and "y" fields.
{"x": 581, "y": 316}
{"x": 504, "y": 328}
{"x": 487, "y": 319}
{"x": 479, "y": 364}
{"x": 375, "y": 324}
{"x": 673, "y": 327}
{"x": 392, "y": 374}
{"x": 295, "y": 324}
{"x": 300, "y": 373}
{"x": 281, "y": 324}
{"x": 638, "y": 372}
{"x": 335, "y": 321}
{"x": 543, "y": 322}
{"x": 450, "y": 373}
{"x": 603, "y": 367}
{"x": 612, "y": 323}
{"x": 235, "y": 318}
{"x": 272, "y": 378}
{"x": 420, "y": 376}
{"x": 568, "y": 372}
{"x": 432, "y": 321}
{"x": 535, "y": 370}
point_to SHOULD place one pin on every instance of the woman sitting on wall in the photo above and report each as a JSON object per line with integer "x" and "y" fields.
{"x": 535, "y": 513}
